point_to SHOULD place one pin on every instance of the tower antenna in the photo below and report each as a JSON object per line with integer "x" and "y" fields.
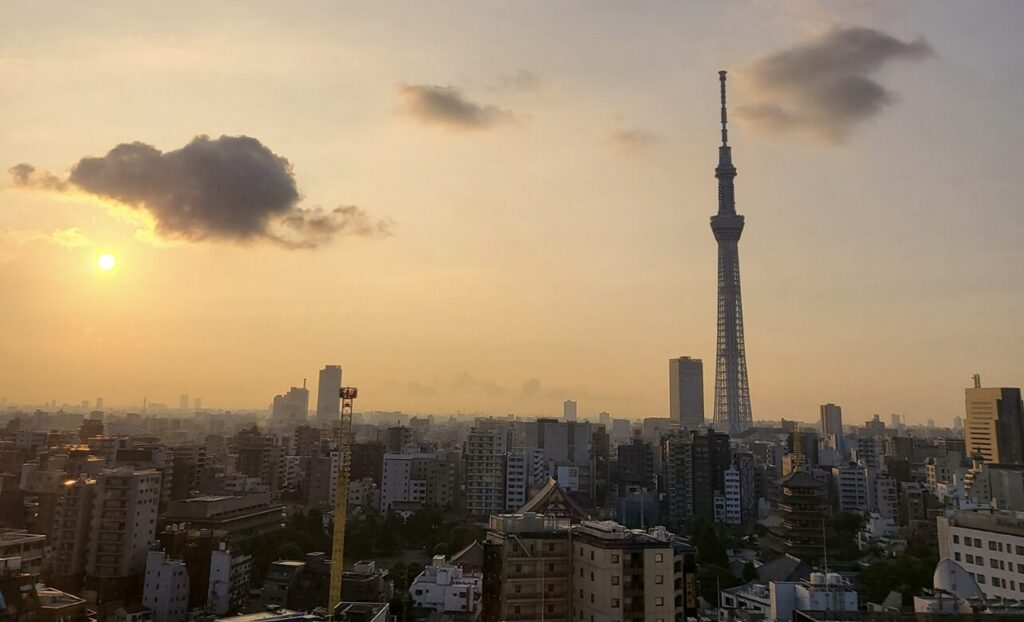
{"x": 725, "y": 118}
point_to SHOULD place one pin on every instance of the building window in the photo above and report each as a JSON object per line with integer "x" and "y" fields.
{"x": 991, "y": 545}
{"x": 659, "y": 601}
{"x": 591, "y": 597}
{"x": 992, "y": 562}
{"x": 979, "y": 560}
{"x": 591, "y": 555}
{"x": 1020, "y": 550}
{"x": 956, "y": 539}
{"x": 1020, "y": 568}
{"x": 977, "y": 543}
{"x": 956, "y": 556}
{"x": 980, "y": 578}
{"x": 615, "y": 580}
{"x": 591, "y": 575}
{"x": 659, "y": 579}
{"x": 615, "y": 603}
{"x": 658, "y": 557}
{"x": 615, "y": 559}
{"x": 970, "y": 558}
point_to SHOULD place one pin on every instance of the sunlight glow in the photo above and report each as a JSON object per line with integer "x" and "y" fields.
{"x": 106, "y": 262}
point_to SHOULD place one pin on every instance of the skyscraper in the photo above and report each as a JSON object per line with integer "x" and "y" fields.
{"x": 994, "y": 428}
{"x": 732, "y": 393}
{"x": 290, "y": 409}
{"x": 686, "y": 391}
{"x": 328, "y": 396}
{"x": 569, "y": 410}
{"x": 832, "y": 424}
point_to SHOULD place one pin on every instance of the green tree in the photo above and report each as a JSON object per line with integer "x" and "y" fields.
{"x": 906, "y": 574}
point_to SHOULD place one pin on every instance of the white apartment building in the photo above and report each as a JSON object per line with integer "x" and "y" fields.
{"x": 885, "y": 497}
{"x": 989, "y": 544}
{"x": 165, "y": 591}
{"x": 447, "y": 589}
{"x": 851, "y": 483}
{"x": 733, "y": 496}
{"x": 486, "y": 460}
{"x": 517, "y": 471}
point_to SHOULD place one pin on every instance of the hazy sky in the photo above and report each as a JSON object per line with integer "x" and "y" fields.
{"x": 527, "y": 189}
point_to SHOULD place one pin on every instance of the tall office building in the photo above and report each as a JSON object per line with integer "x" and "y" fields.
{"x": 686, "y": 391}
{"x": 732, "y": 392}
{"x": 994, "y": 428}
{"x": 569, "y": 410}
{"x": 328, "y": 396}
{"x": 565, "y": 451}
{"x": 832, "y": 424}
{"x": 291, "y": 409}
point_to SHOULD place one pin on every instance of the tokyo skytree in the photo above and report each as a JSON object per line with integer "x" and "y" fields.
{"x": 732, "y": 393}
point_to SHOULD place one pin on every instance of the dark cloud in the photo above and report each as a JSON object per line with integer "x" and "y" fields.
{"x": 825, "y": 86}
{"x": 25, "y": 175}
{"x": 446, "y": 105}
{"x": 231, "y": 188}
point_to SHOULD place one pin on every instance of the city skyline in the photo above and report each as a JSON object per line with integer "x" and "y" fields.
{"x": 521, "y": 224}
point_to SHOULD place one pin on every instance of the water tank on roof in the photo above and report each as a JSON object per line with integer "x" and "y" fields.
{"x": 817, "y": 578}
{"x": 834, "y": 578}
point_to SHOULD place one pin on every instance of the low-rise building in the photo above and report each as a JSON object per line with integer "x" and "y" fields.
{"x": 447, "y": 589}
{"x": 989, "y": 544}
{"x": 241, "y": 518}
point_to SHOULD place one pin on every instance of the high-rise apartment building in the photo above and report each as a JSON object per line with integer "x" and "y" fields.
{"x": 328, "y": 396}
{"x": 711, "y": 458}
{"x": 852, "y": 485}
{"x": 123, "y": 522}
{"x": 72, "y": 529}
{"x": 677, "y": 475}
{"x": 686, "y": 391}
{"x": 994, "y": 428}
{"x": 486, "y": 467}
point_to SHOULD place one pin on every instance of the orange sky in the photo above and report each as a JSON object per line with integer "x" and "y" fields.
{"x": 560, "y": 249}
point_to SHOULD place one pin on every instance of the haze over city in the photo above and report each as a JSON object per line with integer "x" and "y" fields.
{"x": 494, "y": 208}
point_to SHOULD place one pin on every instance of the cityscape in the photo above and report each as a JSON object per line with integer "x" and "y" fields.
{"x": 445, "y": 399}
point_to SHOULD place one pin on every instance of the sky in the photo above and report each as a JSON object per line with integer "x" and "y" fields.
{"x": 492, "y": 207}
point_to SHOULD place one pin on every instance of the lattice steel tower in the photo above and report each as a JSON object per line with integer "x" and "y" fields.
{"x": 732, "y": 393}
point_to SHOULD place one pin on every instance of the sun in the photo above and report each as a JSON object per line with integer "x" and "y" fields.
{"x": 106, "y": 262}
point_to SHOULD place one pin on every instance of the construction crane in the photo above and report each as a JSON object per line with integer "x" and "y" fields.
{"x": 344, "y": 442}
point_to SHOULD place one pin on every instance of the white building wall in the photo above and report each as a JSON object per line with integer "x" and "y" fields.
{"x": 165, "y": 591}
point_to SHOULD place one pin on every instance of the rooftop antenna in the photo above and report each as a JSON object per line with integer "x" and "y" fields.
{"x": 977, "y": 381}
{"x": 725, "y": 131}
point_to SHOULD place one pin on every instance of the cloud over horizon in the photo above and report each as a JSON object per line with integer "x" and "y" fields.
{"x": 447, "y": 105}
{"x": 231, "y": 188}
{"x": 826, "y": 86}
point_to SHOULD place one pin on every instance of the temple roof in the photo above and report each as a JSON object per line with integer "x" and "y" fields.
{"x": 553, "y": 500}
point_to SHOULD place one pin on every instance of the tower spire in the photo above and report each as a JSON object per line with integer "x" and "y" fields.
{"x": 725, "y": 119}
